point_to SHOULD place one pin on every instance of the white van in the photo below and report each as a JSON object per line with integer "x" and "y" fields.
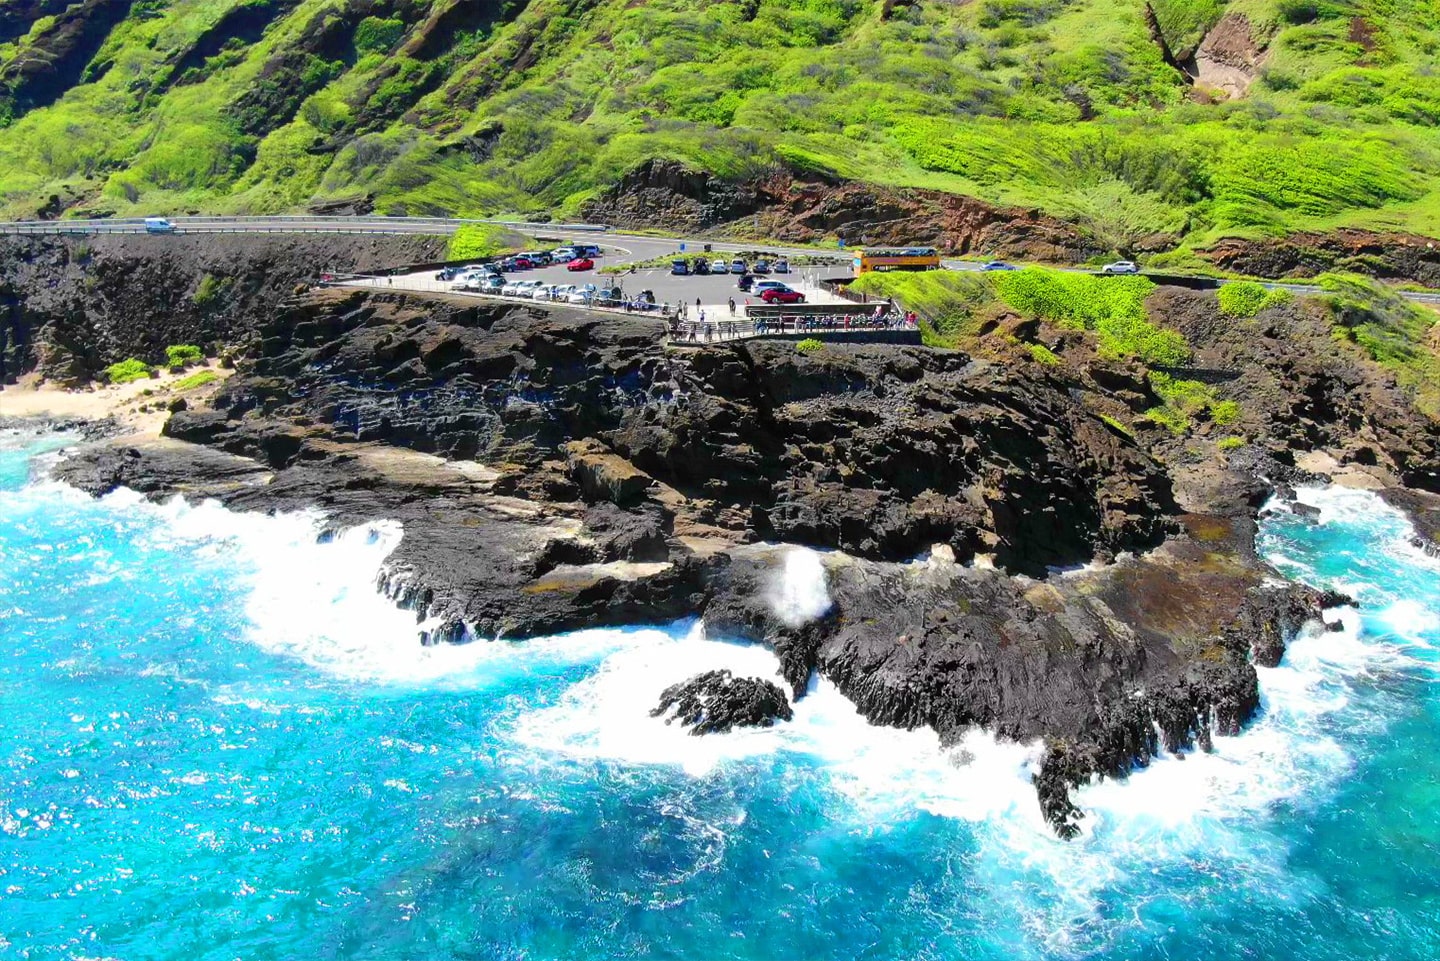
{"x": 158, "y": 225}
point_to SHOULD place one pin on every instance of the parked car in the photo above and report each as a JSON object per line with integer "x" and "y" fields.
{"x": 491, "y": 283}
{"x": 782, "y": 266}
{"x": 998, "y": 265}
{"x": 449, "y": 273}
{"x": 581, "y": 263}
{"x": 525, "y": 263}
{"x": 563, "y": 254}
{"x": 1121, "y": 267}
{"x": 720, "y": 266}
{"x": 509, "y": 264}
{"x": 680, "y": 268}
{"x": 761, "y": 267}
{"x": 760, "y": 286}
{"x": 738, "y": 267}
{"x": 583, "y": 295}
{"x": 745, "y": 282}
{"x": 700, "y": 266}
{"x": 782, "y": 295}
{"x": 587, "y": 250}
{"x": 520, "y": 288}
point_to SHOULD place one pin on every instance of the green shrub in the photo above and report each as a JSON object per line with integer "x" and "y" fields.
{"x": 1246, "y": 298}
{"x": 1394, "y": 333}
{"x": 1113, "y": 307}
{"x": 179, "y": 356}
{"x": 809, "y": 346}
{"x": 374, "y": 35}
{"x": 1225, "y": 412}
{"x": 950, "y": 304}
{"x": 1172, "y": 420}
{"x": 1230, "y": 443}
{"x": 1044, "y": 355}
{"x": 1181, "y": 400}
{"x": 126, "y": 371}
{"x": 198, "y": 379}
{"x": 1116, "y": 426}
{"x": 210, "y": 290}
{"x": 480, "y": 240}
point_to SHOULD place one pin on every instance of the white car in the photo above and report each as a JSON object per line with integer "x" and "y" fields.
{"x": 582, "y": 295}
{"x": 720, "y": 267}
{"x": 1121, "y": 267}
{"x": 761, "y": 286}
{"x": 520, "y": 288}
{"x": 562, "y": 255}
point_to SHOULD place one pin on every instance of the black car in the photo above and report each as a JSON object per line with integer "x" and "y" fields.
{"x": 761, "y": 267}
{"x": 745, "y": 282}
{"x": 700, "y": 266}
{"x": 448, "y": 273}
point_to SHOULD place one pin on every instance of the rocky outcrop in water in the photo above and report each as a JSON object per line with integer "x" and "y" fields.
{"x": 553, "y": 469}
{"x": 716, "y": 702}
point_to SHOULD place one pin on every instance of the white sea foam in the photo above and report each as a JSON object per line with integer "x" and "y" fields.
{"x": 800, "y": 593}
{"x": 317, "y": 602}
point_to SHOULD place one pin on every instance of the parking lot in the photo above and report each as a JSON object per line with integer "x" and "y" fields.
{"x": 713, "y": 291}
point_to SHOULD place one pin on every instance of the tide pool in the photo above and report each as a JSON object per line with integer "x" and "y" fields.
{"x": 219, "y": 742}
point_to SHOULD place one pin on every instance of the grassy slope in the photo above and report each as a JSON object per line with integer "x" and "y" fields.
{"x": 556, "y": 99}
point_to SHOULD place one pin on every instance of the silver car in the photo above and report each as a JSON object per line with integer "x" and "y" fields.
{"x": 1121, "y": 267}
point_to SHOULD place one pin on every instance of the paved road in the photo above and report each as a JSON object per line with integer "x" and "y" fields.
{"x": 622, "y": 247}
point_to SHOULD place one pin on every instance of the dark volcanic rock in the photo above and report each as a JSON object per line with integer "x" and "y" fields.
{"x": 1109, "y": 667}
{"x": 875, "y": 450}
{"x": 554, "y": 469}
{"x": 69, "y": 306}
{"x": 1301, "y": 391}
{"x": 716, "y": 701}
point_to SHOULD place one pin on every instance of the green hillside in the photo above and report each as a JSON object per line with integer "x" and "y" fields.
{"x": 1306, "y": 114}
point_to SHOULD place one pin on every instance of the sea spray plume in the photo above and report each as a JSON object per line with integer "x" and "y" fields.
{"x": 798, "y": 593}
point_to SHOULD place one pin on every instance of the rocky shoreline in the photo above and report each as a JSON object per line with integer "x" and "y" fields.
{"x": 992, "y": 552}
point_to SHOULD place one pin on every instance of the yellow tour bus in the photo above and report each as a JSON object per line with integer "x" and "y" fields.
{"x": 896, "y": 258}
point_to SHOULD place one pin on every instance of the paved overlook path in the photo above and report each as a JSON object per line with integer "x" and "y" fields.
{"x": 622, "y": 247}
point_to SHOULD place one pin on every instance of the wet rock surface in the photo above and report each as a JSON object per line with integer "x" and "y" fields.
{"x": 716, "y": 701}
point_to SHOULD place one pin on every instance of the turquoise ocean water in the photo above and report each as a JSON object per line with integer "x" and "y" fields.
{"x": 218, "y": 742}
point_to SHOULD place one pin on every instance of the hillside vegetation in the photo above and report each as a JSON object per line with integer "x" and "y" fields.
{"x": 1249, "y": 118}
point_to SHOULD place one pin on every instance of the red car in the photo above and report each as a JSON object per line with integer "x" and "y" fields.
{"x": 581, "y": 263}
{"x": 782, "y": 295}
{"x": 525, "y": 263}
